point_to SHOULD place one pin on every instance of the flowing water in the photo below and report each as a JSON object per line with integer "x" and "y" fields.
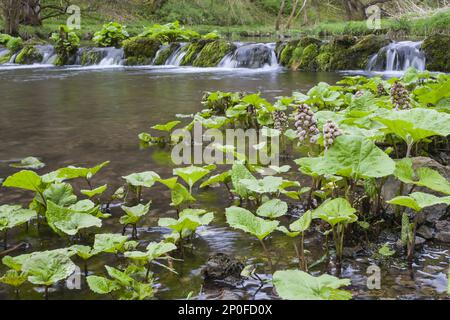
{"x": 85, "y": 116}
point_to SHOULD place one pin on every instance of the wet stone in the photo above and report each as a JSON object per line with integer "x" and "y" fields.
{"x": 425, "y": 232}
{"x": 221, "y": 267}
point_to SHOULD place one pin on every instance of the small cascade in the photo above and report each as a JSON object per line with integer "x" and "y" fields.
{"x": 177, "y": 56}
{"x": 398, "y": 56}
{"x": 112, "y": 57}
{"x": 252, "y": 56}
{"x": 48, "y": 54}
{"x": 159, "y": 52}
{"x": 100, "y": 57}
{"x": 3, "y": 52}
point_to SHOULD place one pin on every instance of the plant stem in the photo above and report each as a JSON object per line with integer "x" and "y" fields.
{"x": 46, "y": 292}
{"x": 5, "y": 239}
{"x": 267, "y": 254}
{"x": 302, "y": 252}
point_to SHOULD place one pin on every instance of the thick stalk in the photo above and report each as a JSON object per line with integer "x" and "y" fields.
{"x": 267, "y": 254}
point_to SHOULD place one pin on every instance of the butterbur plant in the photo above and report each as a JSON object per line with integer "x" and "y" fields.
{"x": 13, "y": 216}
{"x": 111, "y": 35}
{"x": 338, "y": 213}
{"x": 132, "y": 217}
{"x": 137, "y": 182}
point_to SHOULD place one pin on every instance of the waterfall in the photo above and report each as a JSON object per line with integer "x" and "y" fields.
{"x": 3, "y": 52}
{"x": 112, "y": 57}
{"x": 158, "y": 53}
{"x": 109, "y": 56}
{"x": 48, "y": 54}
{"x": 398, "y": 56}
{"x": 253, "y": 56}
{"x": 178, "y": 55}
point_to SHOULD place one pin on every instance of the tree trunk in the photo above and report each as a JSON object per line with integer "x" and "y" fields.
{"x": 11, "y": 10}
{"x": 292, "y": 15}
{"x": 280, "y": 15}
{"x": 32, "y": 12}
{"x": 354, "y": 9}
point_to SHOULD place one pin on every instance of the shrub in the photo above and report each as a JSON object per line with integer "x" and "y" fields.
{"x": 111, "y": 35}
{"x": 66, "y": 44}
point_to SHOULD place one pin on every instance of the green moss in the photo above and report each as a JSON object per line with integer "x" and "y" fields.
{"x": 91, "y": 57}
{"x": 323, "y": 61}
{"x": 359, "y": 54}
{"x": 192, "y": 51}
{"x": 28, "y": 55}
{"x": 212, "y": 53}
{"x": 436, "y": 49}
{"x": 162, "y": 57}
{"x": 140, "y": 50}
{"x": 308, "y": 62}
{"x": 5, "y": 58}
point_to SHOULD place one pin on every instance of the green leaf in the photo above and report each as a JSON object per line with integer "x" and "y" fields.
{"x": 71, "y": 172}
{"x": 13, "y": 216}
{"x": 302, "y": 224}
{"x": 31, "y": 163}
{"x": 417, "y": 123}
{"x": 166, "y": 127}
{"x": 216, "y": 179}
{"x": 27, "y": 180}
{"x": 48, "y": 268}
{"x": 188, "y": 222}
{"x": 336, "y": 211}
{"x": 101, "y": 285}
{"x": 272, "y": 209}
{"x": 154, "y": 251}
{"x": 180, "y": 195}
{"x": 68, "y": 221}
{"x": 191, "y": 174}
{"x": 419, "y": 201}
{"x": 298, "y": 285}
{"x": 95, "y": 192}
{"x": 84, "y": 252}
{"x": 354, "y": 157}
{"x": 143, "y": 179}
{"x": 244, "y": 220}
{"x": 14, "y": 278}
{"x": 121, "y": 277}
{"x": 109, "y": 243}
{"x": 134, "y": 214}
{"x": 60, "y": 194}
{"x": 385, "y": 251}
{"x": 240, "y": 172}
{"x": 267, "y": 185}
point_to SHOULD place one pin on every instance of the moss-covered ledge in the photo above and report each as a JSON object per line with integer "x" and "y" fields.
{"x": 140, "y": 50}
{"x": 29, "y": 55}
{"x": 437, "y": 52}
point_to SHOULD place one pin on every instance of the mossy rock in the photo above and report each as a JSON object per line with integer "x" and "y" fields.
{"x": 308, "y": 62}
{"x": 286, "y": 53}
{"x": 5, "y": 58}
{"x": 28, "y": 55}
{"x": 436, "y": 49}
{"x": 90, "y": 57}
{"x": 360, "y": 53}
{"x": 212, "y": 53}
{"x": 192, "y": 51}
{"x": 140, "y": 50}
{"x": 165, "y": 53}
{"x": 292, "y": 54}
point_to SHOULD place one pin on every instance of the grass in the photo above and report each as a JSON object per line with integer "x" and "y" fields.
{"x": 408, "y": 26}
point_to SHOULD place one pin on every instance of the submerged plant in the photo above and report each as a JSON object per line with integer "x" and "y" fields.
{"x": 13, "y": 216}
{"x": 298, "y": 285}
{"x": 133, "y": 215}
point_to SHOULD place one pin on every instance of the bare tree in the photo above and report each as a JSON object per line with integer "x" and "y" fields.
{"x": 11, "y": 11}
{"x": 280, "y": 15}
{"x": 356, "y": 9}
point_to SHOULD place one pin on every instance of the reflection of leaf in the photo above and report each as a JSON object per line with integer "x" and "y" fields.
{"x": 243, "y": 219}
{"x": 298, "y": 285}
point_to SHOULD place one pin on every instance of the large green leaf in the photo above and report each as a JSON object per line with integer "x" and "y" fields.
{"x": 188, "y": 222}
{"x": 424, "y": 177}
{"x": 419, "y": 201}
{"x": 13, "y": 216}
{"x": 354, "y": 157}
{"x": 27, "y": 180}
{"x": 68, "y": 221}
{"x": 134, "y": 214}
{"x": 72, "y": 172}
{"x": 166, "y": 127}
{"x": 417, "y": 124}
{"x": 14, "y": 278}
{"x": 191, "y": 174}
{"x": 95, "y": 192}
{"x": 154, "y": 251}
{"x": 336, "y": 211}
{"x": 110, "y": 243}
{"x": 272, "y": 209}
{"x": 240, "y": 172}
{"x": 298, "y": 285}
{"x": 47, "y": 269}
{"x": 143, "y": 179}
{"x": 266, "y": 185}
{"x": 244, "y": 220}
{"x": 60, "y": 194}
{"x": 101, "y": 285}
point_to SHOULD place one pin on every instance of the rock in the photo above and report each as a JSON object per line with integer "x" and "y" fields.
{"x": 425, "y": 232}
{"x": 420, "y": 241}
{"x": 29, "y": 55}
{"x": 252, "y": 56}
{"x": 435, "y": 213}
{"x": 420, "y": 162}
{"x": 140, "y": 50}
{"x": 436, "y": 49}
{"x": 193, "y": 50}
{"x": 443, "y": 231}
{"x": 212, "y": 53}
{"x": 91, "y": 56}
{"x": 222, "y": 267}
{"x": 299, "y": 54}
{"x": 165, "y": 53}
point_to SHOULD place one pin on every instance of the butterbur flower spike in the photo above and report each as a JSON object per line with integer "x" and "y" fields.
{"x": 330, "y": 132}
{"x": 306, "y": 124}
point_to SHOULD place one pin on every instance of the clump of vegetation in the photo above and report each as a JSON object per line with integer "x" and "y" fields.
{"x": 66, "y": 44}
{"x": 111, "y": 35}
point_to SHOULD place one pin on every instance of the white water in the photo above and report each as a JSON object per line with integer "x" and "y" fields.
{"x": 178, "y": 55}
{"x": 398, "y": 56}
{"x": 113, "y": 56}
{"x": 252, "y": 56}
